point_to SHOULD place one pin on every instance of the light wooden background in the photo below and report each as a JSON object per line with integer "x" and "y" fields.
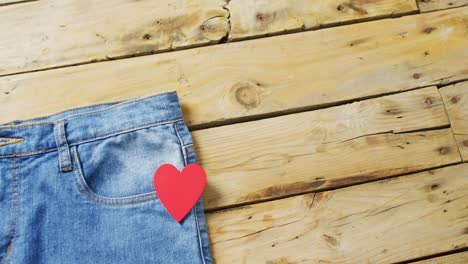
{"x": 332, "y": 131}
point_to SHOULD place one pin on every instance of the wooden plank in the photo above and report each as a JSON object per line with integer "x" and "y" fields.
{"x": 381, "y": 222}
{"x": 458, "y": 258}
{"x": 276, "y": 157}
{"x": 238, "y": 80}
{"x": 432, "y": 5}
{"x": 456, "y": 102}
{"x": 54, "y": 33}
{"x": 262, "y": 17}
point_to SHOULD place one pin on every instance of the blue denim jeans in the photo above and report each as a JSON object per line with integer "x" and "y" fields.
{"x": 77, "y": 187}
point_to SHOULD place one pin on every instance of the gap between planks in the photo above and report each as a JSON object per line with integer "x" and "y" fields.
{"x": 456, "y": 256}
{"x": 13, "y": 2}
{"x": 252, "y": 118}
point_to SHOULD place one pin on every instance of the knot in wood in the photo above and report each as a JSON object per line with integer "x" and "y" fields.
{"x": 246, "y": 94}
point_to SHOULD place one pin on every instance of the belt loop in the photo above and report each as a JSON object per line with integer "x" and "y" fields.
{"x": 62, "y": 146}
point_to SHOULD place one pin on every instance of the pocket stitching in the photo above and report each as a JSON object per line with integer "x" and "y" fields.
{"x": 182, "y": 148}
{"x": 89, "y": 194}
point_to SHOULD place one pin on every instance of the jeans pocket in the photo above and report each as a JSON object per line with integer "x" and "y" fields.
{"x": 118, "y": 170}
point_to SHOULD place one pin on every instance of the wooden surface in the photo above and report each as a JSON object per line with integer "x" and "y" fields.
{"x": 456, "y": 101}
{"x": 69, "y": 34}
{"x": 243, "y": 79}
{"x": 342, "y": 144}
{"x": 459, "y": 258}
{"x": 432, "y": 5}
{"x": 262, "y": 17}
{"x": 85, "y": 31}
{"x": 381, "y": 222}
{"x": 271, "y": 158}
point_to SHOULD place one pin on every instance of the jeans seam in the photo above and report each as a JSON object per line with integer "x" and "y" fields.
{"x": 25, "y": 126}
{"x": 10, "y": 222}
{"x": 200, "y": 242}
{"x": 18, "y": 191}
{"x": 14, "y": 215}
{"x": 89, "y": 194}
{"x": 194, "y": 211}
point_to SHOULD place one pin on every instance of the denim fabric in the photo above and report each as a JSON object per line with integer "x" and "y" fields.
{"x": 77, "y": 187}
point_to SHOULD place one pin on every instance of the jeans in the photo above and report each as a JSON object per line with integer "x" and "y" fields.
{"x": 77, "y": 187}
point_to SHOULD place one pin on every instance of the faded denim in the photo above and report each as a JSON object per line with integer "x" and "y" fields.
{"x": 77, "y": 187}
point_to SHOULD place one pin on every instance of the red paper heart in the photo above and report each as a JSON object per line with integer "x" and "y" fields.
{"x": 179, "y": 191}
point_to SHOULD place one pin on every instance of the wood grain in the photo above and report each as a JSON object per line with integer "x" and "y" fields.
{"x": 432, "y": 5}
{"x": 458, "y": 258}
{"x": 456, "y": 102}
{"x": 75, "y": 31}
{"x": 381, "y": 222}
{"x": 239, "y": 80}
{"x": 276, "y": 157}
{"x": 262, "y": 17}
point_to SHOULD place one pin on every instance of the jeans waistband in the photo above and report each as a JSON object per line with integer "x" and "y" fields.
{"x": 86, "y": 124}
